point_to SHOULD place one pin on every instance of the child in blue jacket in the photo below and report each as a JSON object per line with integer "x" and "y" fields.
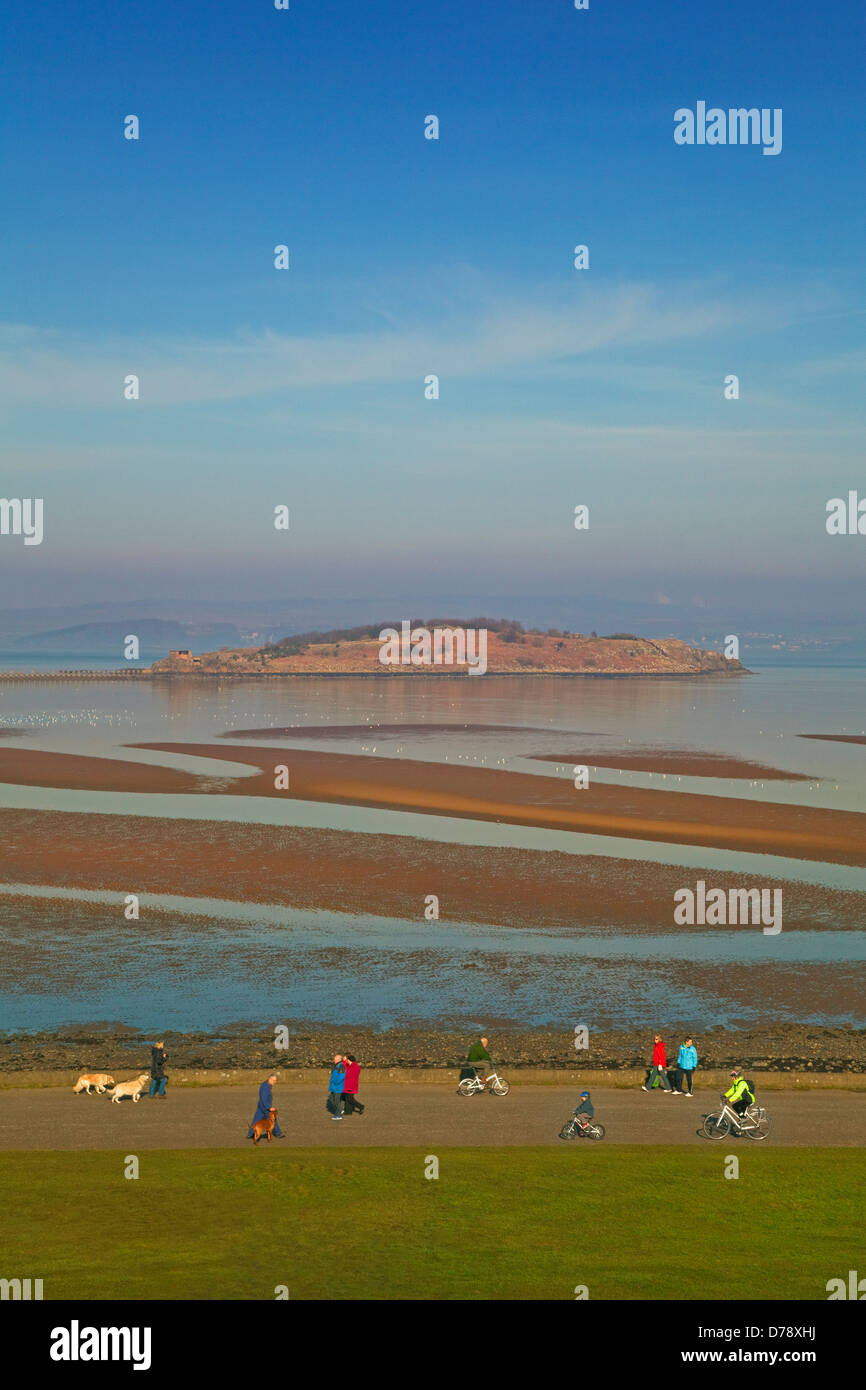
{"x": 585, "y": 1111}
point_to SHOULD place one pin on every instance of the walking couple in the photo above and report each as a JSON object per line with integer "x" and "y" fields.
{"x": 687, "y": 1060}
{"x": 343, "y": 1087}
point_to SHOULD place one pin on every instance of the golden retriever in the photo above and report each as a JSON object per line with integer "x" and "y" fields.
{"x": 98, "y": 1080}
{"x": 131, "y": 1088}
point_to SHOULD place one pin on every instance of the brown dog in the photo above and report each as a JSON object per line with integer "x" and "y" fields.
{"x": 265, "y": 1127}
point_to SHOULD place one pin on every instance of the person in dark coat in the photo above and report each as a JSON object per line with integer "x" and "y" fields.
{"x": 266, "y": 1101}
{"x": 158, "y": 1075}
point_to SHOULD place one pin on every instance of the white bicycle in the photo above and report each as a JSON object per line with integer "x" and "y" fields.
{"x": 754, "y": 1122}
{"x": 474, "y": 1085}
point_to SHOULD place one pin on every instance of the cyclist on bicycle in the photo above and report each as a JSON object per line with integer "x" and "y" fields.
{"x": 585, "y": 1111}
{"x": 738, "y": 1096}
{"x": 478, "y": 1054}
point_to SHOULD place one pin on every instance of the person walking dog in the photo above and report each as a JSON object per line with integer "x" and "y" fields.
{"x": 158, "y": 1074}
{"x": 265, "y": 1105}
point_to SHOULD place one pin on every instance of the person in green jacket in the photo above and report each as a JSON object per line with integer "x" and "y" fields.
{"x": 478, "y": 1055}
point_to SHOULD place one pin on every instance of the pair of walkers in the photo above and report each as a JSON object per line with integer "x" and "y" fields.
{"x": 682, "y": 1073}
{"x": 343, "y": 1087}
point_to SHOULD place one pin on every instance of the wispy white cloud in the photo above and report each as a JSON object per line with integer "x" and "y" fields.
{"x": 53, "y": 368}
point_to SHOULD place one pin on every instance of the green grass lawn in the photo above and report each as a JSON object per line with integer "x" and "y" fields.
{"x": 517, "y": 1223}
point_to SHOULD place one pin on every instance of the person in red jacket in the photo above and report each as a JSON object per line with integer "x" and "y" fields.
{"x": 350, "y": 1087}
{"x": 658, "y": 1068}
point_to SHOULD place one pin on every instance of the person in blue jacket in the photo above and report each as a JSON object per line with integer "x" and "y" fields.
{"x": 336, "y": 1085}
{"x": 687, "y": 1060}
{"x": 265, "y": 1102}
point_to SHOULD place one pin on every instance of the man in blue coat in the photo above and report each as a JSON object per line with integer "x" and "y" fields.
{"x": 265, "y": 1102}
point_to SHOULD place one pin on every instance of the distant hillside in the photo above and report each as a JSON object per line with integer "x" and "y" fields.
{"x": 511, "y": 650}
{"x": 154, "y": 634}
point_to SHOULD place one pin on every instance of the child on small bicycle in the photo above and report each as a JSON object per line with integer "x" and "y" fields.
{"x": 585, "y": 1111}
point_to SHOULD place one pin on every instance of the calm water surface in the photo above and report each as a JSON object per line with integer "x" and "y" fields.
{"x": 254, "y": 962}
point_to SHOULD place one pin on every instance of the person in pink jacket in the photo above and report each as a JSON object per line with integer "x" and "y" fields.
{"x": 658, "y": 1068}
{"x": 351, "y": 1103}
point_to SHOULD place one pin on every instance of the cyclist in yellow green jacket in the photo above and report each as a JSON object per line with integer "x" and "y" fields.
{"x": 739, "y": 1096}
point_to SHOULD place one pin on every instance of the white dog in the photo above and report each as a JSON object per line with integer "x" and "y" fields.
{"x": 98, "y": 1080}
{"x": 130, "y": 1088}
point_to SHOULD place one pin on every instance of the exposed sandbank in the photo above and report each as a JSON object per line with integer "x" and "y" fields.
{"x": 33, "y": 767}
{"x": 323, "y": 731}
{"x": 686, "y": 763}
{"x": 836, "y": 738}
{"x": 686, "y": 818}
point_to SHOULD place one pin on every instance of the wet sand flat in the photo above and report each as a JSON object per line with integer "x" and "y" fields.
{"x": 430, "y": 1117}
{"x": 262, "y": 974}
{"x": 684, "y": 763}
{"x": 686, "y": 818}
{"x": 386, "y": 875}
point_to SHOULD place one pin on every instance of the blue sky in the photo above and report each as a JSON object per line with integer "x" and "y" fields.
{"x": 411, "y": 257}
